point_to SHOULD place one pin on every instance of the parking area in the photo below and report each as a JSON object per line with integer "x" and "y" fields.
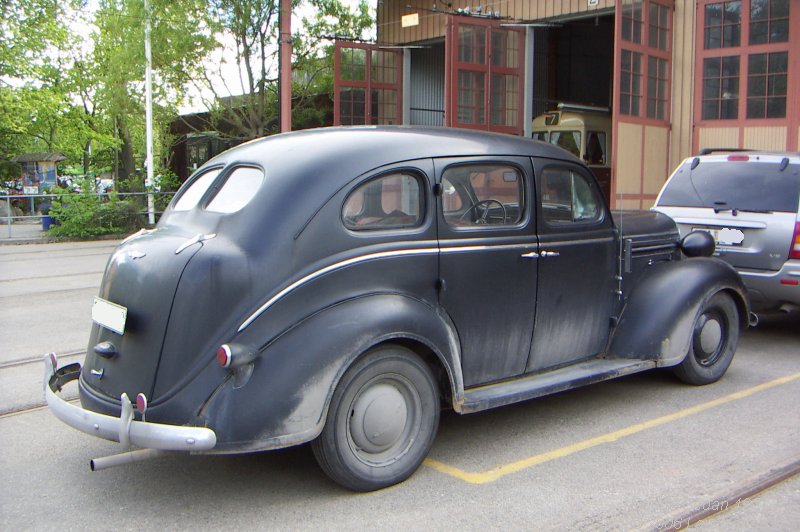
{"x": 642, "y": 452}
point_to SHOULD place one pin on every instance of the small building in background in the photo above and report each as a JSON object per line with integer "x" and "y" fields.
{"x": 39, "y": 171}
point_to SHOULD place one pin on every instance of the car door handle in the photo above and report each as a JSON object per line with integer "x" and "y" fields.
{"x": 550, "y": 254}
{"x": 531, "y": 255}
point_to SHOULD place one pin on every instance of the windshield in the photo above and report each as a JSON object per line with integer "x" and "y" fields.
{"x": 745, "y": 186}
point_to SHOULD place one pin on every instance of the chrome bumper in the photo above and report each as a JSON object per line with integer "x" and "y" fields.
{"x": 124, "y": 428}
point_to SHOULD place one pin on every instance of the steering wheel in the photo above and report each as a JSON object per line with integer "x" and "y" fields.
{"x": 485, "y": 204}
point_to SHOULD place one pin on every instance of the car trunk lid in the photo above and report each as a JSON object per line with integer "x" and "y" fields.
{"x": 141, "y": 277}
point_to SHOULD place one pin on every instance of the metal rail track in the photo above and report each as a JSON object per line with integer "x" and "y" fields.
{"x": 38, "y": 359}
{"x": 727, "y": 500}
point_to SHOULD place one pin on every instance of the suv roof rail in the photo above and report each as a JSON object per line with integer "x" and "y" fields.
{"x": 709, "y": 151}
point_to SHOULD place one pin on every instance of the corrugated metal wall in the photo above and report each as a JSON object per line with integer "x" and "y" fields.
{"x": 540, "y": 72}
{"x": 427, "y": 86}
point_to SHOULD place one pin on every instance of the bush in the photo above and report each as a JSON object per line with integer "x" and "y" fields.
{"x": 85, "y": 214}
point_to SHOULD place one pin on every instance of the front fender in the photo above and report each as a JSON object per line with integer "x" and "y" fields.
{"x": 657, "y": 320}
{"x": 285, "y": 400}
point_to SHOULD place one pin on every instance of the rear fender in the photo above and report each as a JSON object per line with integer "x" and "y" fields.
{"x": 657, "y": 320}
{"x": 284, "y": 402}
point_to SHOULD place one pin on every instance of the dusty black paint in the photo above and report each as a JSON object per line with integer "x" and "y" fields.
{"x": 495, "y": 325}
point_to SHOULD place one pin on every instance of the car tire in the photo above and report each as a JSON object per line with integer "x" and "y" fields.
{"x": 381, "y": 422}
{"x": 715, "y": 335}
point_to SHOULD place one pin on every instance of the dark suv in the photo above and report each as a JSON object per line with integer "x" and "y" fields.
{"x": 750, "y": 203}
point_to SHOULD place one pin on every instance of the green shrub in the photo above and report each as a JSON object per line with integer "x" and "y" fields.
{"x": 84, "y": 214}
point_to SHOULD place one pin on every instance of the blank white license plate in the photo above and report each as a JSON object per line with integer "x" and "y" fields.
{"x": 109, "y": 315}
{"x": 724, "y": 236}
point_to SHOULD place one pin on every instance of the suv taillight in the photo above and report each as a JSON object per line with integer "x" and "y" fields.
{"x": 794, "y": 252}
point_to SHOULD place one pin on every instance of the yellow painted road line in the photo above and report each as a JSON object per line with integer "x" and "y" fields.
{"x": 526, "y": 463}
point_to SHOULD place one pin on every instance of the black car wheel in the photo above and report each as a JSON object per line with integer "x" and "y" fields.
{"x": 714, "y": 339}
{"x": 381, "y": 422}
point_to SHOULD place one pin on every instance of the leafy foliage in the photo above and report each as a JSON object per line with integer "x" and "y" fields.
{"x": 85, "y": 214}
{"x": 72, "y": 73}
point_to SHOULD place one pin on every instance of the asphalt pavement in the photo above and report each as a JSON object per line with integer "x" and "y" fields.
{"x": 639, "y": 453}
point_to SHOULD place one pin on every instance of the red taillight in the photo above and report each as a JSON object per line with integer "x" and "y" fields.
{"x": 794, "y": 251}
{"x": 738, "y": 158}
{"x": 141, "y": 403}
{"x": 224, "y": 356}
{"x": 790, "y": 282}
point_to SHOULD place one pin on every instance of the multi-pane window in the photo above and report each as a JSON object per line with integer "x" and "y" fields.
{"x": 630, "y": 83}
{"x": 632, "y": 21}
{"x": 721, "y": 88}
{"x": 354, "y": 64}
{"x": 352, "y": 103}
{"x": 505, "y": 49}
{"x": 471, "y": 97}
{"x": 723, "y": 24}
{"x": 471, "y": 44}
{"x": 505, "y": 100}
{"x": 767, "y": 84}
{"x": 368, "y": 85}
{"x": 645, "y": 58}
{"x": 656, "y": 88}
{"x": 384, "y": 107}
{"x": 738, "y": 84}
{"x": 487, "y": 77}
{"x": 769, "y": 21}
{"x": 658, "y": 27}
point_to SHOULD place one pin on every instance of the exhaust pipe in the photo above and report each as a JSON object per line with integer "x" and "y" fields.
{"x": 140, "y": 455}
{"x": 753, "y": 319}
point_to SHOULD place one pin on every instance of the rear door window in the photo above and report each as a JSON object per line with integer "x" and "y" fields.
{"x": 744, "y": 186}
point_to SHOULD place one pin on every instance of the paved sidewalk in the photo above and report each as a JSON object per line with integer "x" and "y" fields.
{"x": 22, "y": 233}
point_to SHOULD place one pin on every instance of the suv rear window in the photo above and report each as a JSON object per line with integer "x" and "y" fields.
{"x": 744, "y": 186}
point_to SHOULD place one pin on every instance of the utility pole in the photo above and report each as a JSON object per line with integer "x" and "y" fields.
{"x": 151, "y": 218}
{"x": 285, "y": 65}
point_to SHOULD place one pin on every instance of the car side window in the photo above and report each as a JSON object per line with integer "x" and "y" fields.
{"x": 390, "y": 201}
{"x": 482, "y": 194}
{"x": 568, "y": 197}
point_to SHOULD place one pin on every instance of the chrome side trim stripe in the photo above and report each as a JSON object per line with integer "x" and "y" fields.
{"x": 339, "y": 265}
{"x": 365, "y": 258}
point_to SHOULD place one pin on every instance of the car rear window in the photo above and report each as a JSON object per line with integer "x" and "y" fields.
{"x": 744, "y": 186}
{"x": 190, "y": 197}
{"x": 237, "y": 191}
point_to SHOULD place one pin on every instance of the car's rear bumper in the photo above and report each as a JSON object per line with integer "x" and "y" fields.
{"x": 771, "y": 290}
{"x": 123, "y": 429}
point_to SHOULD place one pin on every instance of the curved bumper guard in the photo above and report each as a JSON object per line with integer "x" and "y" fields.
{"x": 123, "y": 429}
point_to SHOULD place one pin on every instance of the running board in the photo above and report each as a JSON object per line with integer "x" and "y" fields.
{"x": 567, "y": 378}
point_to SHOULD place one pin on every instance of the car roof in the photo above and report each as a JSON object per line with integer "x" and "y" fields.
{"x": 355, "y": 150}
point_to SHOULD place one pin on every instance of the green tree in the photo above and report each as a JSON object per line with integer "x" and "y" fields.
{"x": 245, "y": 106}
{"x": 181, "y": 36}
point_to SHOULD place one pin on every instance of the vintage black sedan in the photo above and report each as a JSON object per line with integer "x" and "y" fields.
{"x": 340, "y": 286}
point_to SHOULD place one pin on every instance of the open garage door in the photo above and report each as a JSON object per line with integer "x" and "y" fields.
{"x": 641, "y": 114}
{"x": 484, "y": 75}
{"x": 367, "y": 85}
